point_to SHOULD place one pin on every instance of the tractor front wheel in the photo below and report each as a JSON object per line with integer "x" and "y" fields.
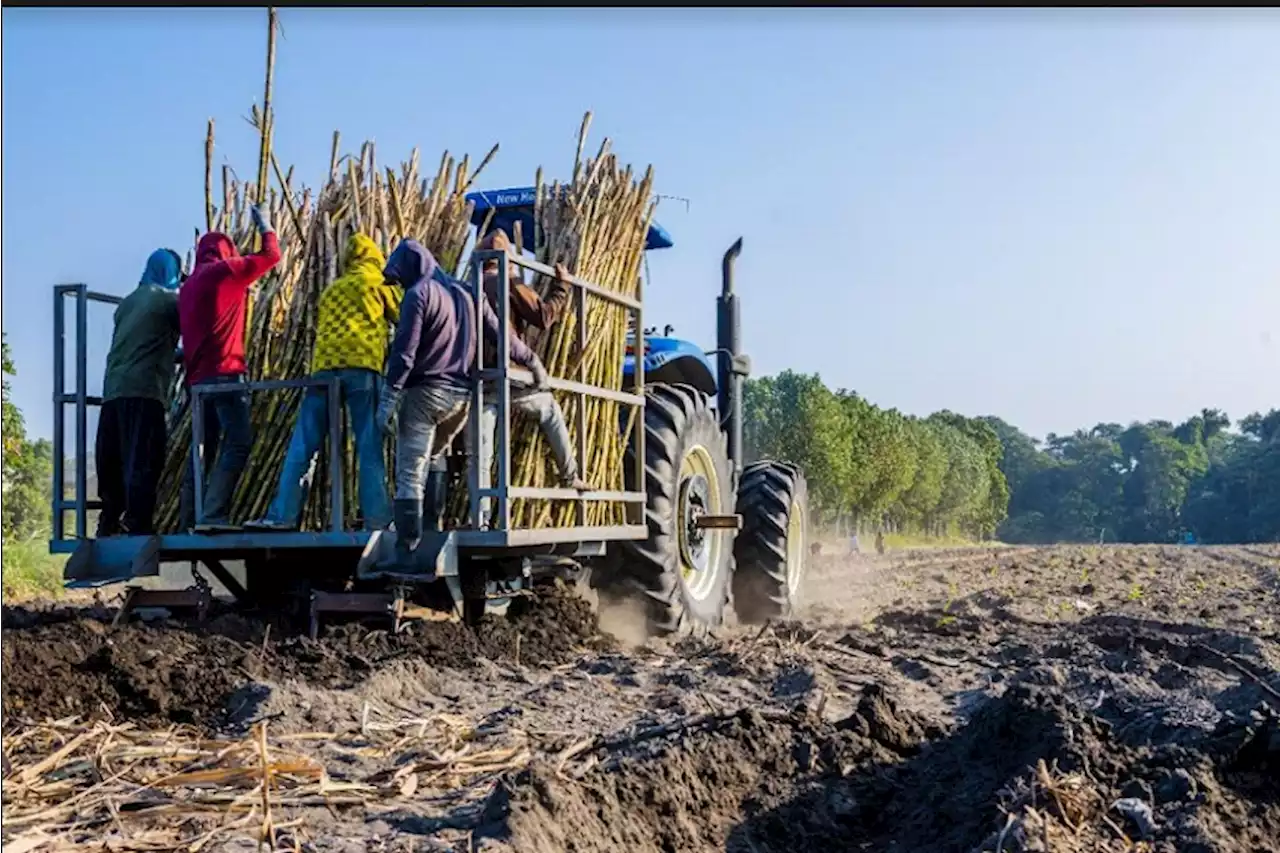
{"x": 772, "y": 549}
{"x": 682, "y": 570}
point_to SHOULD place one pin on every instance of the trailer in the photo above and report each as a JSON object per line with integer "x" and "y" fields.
{"x": 701, "y": 528}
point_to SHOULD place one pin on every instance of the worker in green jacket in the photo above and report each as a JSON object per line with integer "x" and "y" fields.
{"x": 130, "y": 448}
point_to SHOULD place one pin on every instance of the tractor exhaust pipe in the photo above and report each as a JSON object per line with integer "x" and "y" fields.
{"x": 733, "y": 366}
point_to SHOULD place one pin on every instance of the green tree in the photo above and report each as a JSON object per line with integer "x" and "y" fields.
{"x": 1264, "y": 428}
{"x": 14, "y": 428}
{"x": 1237, "y": 499}
{"x": 919, "y": 502}
{"x": 990, "y": 502}
{"x": 965, "y": 484}
{"x": 27, "y": 470}
{"x": 795, "y": 418}
{"x": 1162, "y": 472}
{"x": 883, "y": 458}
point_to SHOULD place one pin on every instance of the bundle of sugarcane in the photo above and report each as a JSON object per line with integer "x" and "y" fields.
{"x": 280, "y": 326}
{"x": 596, "y": 224}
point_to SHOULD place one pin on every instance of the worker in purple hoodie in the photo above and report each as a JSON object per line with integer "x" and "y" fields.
{"x": 428, "y": 382}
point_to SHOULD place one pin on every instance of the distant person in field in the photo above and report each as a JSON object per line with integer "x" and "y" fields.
{"x": 355, "y": 316}
{"x": 129, "y": 451}
{"x": 212, "y": 307}
{"x": 528, "y": 311}
{"x": 430, "y": 371}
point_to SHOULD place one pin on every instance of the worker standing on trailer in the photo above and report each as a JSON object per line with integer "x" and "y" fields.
{"x": 129, "y": 450}
{"x": 211, "y": 305}
{"x": 428, "y": 380}
{"x": 356, "y": 312}
{"x": 528, "y": 311}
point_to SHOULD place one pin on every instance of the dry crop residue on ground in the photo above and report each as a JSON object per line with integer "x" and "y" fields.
{"x": 1068, "y": 699}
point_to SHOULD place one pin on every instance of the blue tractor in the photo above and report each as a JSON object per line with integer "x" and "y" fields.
{"x": 716, "y": 528}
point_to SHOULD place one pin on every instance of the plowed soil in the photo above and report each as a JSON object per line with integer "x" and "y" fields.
{"x": 1065, "y": 699}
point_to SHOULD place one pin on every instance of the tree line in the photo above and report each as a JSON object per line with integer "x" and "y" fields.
{"x": 1147, "y": 482}
{"x": 872, "y": 468}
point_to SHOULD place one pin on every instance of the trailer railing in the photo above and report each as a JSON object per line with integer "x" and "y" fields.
{"x": 332, "y": 388}
{"x": 79, "y": 503}
{"x": 492, "y": 380}
{"x": 499, "y": 378}
{"x": 79, "y": 398}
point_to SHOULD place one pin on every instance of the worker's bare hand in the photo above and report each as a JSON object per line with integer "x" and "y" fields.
{"x": 562, "y": 272}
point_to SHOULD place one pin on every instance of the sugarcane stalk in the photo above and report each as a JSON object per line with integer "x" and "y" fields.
{"x": 208, "y": 177}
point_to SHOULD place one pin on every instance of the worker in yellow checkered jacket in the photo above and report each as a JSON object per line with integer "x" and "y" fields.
{"x": 356, "y": 314}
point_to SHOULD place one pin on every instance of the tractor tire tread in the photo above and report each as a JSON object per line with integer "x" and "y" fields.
{"x": 675, "y": 415}
{"x": 766, "y": 494}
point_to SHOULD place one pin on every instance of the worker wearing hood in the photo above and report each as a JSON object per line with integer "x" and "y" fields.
{"x": 355, "y": 316}
{"x": 529, "y": 311}
{"x": 431, "y": 367}
{"x": 129, "y": 449}
{"x": 211, "y": 305}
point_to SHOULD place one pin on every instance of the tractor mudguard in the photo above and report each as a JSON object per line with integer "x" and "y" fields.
{"x": 673, "y": 361}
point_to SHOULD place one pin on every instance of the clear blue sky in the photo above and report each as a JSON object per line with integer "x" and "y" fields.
{"x": 1057, "y": 217}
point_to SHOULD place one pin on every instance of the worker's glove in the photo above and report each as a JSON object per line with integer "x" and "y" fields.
{"x": 541, "y": 380}
{"x": 388, "y": 404}
{"x": 261, "y": 220}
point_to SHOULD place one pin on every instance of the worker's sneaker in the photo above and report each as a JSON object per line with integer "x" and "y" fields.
{"x": 269, "y": 524}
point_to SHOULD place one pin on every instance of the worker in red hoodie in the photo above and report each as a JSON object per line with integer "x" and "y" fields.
{"x": 211, "y": 311}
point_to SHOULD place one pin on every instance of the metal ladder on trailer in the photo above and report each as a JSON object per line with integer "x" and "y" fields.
{"x": 197, "y": 598}
{"x": 80, "y": 399}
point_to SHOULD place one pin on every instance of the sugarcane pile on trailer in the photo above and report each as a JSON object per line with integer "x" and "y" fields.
{"x": 386, "y": 204}
{"x": 596, "y": 224}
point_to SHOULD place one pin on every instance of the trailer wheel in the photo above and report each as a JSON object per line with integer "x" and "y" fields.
{"x": 682, "y": 571}
{"x": 771, "y": 551}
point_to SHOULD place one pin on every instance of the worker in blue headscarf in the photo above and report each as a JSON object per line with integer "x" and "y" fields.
{"x": 130, "y": 447}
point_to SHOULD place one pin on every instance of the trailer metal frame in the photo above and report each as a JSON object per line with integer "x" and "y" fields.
{"x": 96, "y": 562}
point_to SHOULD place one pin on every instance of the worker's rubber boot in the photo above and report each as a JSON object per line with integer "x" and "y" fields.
{"x": 408, "y": 522}
{"x": 435, "y": 496}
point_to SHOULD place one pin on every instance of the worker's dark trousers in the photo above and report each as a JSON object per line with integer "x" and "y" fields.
{"x": 129, "y": 456}
{"x": 228, "y": 438}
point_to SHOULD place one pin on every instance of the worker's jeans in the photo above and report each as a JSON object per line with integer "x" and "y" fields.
{"x": 423, "y": 410}
{"x": 228, "y": 438}
{"x": 359, "y": 389}
{"x": 532, "y": 403}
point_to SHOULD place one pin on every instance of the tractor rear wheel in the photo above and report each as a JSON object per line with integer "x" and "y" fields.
{"x": 772, "y": 549}
{"x": 682, "y": 570}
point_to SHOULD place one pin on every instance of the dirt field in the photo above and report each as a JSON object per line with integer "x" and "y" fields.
{"x": 1065, "y": 699}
